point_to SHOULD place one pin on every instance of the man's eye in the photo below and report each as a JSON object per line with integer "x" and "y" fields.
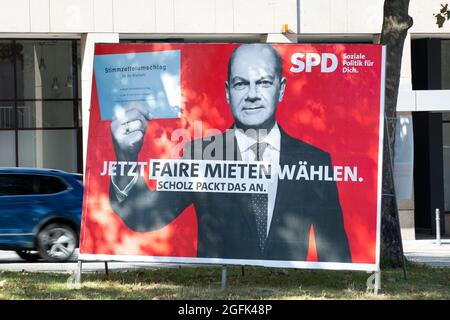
{"x": 240, "y": 85}
{"x": 265, "y": 83}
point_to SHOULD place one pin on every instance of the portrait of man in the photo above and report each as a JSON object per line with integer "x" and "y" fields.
{"x": 268, "y": 226}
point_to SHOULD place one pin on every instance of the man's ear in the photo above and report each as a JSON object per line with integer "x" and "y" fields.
{"x": 282, "y": 87}
{"x": 227, "y": 91}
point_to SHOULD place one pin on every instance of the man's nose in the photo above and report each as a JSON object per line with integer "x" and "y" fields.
{"x": 253, "y": 93}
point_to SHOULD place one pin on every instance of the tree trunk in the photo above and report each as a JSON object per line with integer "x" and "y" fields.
{"x": 396, "y": 23}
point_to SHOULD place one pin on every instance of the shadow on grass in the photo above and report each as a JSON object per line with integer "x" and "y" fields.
{"x": 204, "y": 283}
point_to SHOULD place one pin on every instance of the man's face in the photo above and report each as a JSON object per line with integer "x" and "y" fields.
{"x": 254, "y": 88}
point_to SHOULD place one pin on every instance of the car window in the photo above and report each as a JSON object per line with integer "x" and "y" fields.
{"x": 48, "y": 184}
{"x": 79, "y": 178}
{"x": 16, "y": 184}
{"x": 26, "y": 184}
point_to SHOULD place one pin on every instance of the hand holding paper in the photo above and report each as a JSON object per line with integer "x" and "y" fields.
{"x": 128, "y": 130}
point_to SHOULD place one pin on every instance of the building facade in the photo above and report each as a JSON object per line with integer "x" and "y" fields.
{"x": 46, "y": 57}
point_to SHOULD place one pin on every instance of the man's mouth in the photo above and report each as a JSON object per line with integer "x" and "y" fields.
{"x": 252, "y": 108}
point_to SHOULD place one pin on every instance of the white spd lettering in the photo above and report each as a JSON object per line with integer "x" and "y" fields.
{"x": 328, "y": 62}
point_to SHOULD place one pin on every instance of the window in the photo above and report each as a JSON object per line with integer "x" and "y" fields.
{"x": 7, "y": 115}
{"x": 45, "y": 114}
{"x": 27, "y": 184}
{"x": 48, "y": 184}
{"x": 56, "y": 149}
{"x": 16, "y": 184}
{"x": 40, "y": 104}
{"x": 6, "y": 69}
{"x": 446, "y": 155}
{"x": 445, "y": 60}
{"x": 79, "y": 178}
{"x": 44, "y": 69}
{"x": 7, "y": 147}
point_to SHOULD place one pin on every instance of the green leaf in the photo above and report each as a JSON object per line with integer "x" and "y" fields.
{"x": 440, "y": 20}
{"x": 448, "y": 15}
{"x": 444, "y": 8}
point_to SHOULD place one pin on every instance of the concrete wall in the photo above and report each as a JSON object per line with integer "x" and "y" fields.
{"x": 364, "y": 16}
{"x": 209, "y": 16}
{"x": 407, "y": 227}
{"x": 147, "y": 16}
{"x": 341, "y": 16}
{"x": 406, "y": 217}
{"x": 422, "y": 12}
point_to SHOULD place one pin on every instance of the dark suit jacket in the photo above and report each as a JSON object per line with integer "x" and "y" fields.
{"x": 226, "y": 225}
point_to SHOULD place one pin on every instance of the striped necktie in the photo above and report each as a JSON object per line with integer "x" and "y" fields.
{"x": 259, "y": 202}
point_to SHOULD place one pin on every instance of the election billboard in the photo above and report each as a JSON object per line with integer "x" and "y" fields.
{"x": 246, "y": 154}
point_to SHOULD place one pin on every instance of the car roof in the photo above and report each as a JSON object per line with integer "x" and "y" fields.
{"x": 34, "y": 171}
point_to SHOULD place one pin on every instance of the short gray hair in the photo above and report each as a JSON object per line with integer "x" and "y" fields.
{"x": 276, "y": 54}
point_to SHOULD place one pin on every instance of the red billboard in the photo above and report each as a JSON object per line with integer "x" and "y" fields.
{"x": 255, "y": 154}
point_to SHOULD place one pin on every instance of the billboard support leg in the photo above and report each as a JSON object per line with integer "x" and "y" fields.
{"x": 79, "y": 269}
{"x": 377, "y": 286}
{"x": 106, "y": 268}
{"x": 243, "y": 271}
{"x": 224, "y": 277}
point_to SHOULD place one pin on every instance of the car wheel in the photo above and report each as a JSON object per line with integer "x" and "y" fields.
{"x": 56, "y": 242}
{"x": 28, "y": 255}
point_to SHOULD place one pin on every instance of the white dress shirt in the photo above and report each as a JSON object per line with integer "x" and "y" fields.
{"x": 271, "y": 155}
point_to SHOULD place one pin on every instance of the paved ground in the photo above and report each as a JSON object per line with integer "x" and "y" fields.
{"x": 10, "y": 261}
{"x": 428, "y": 252}
{"x": 423, "y": 251}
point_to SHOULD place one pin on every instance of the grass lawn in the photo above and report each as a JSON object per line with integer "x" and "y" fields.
{"x": 204, "y": 283}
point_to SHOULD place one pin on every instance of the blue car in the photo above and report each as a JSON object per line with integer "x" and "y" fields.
{"x": 40, "y": 212}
